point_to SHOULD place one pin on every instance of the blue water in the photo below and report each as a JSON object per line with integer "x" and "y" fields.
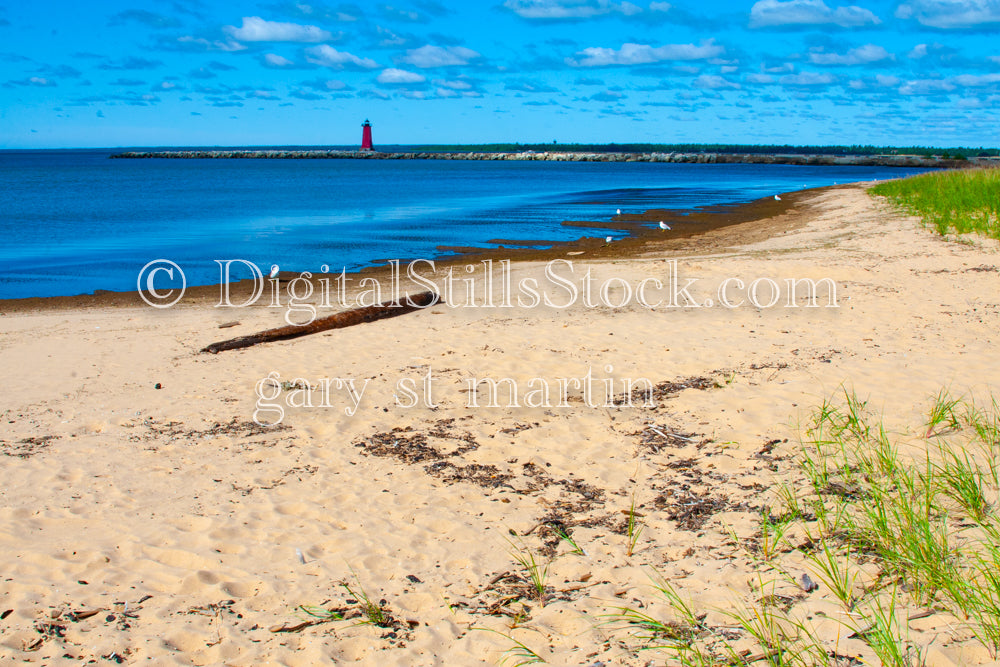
{"x": 75, "y": 221}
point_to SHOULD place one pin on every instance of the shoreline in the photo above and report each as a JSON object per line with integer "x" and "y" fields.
{"x": 687, "y": 224}
{"x": 566, "y": 156}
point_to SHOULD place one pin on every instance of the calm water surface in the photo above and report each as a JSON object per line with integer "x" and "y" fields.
{"x": 75, "y": 221}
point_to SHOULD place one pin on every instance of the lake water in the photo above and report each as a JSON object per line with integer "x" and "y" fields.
{"x": 76, "y": 221}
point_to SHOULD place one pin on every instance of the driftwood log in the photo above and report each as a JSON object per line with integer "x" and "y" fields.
{"x": 347, "y": 318}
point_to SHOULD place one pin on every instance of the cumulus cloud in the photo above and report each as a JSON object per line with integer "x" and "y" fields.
{"x": 926, "y": 87}
{"x": 395, "y": 76}
{"x": 529, "y": 86}
{"x": 401, "y": 14}
{"x": 776, "y": 13}
{"x": 807, "y": 79}
{"x": 190, "y": 42}
{"x": 561, "y": 10}
{"x": 202, "y": 73}
{"x": 326, "y": 85}
{"x": 256, "y": 29}
{"x": 713, "y": 82}
{"x": 38, "y": 81}
{"x": 643, "y": 54}
{"x": 274, "y": 60}
{"x": 977, "y": 79}
{"x": 327, "y": 56}
{"x": 863, "y": 55}
{"x": 439, "y": 56}
{"x": 951, "y": 14}
{"x": 454, "y": 85}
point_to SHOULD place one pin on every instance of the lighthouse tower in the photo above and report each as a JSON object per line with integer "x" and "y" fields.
{"x": 366, "y": 136}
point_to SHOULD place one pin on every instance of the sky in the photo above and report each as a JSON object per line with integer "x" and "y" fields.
{"x": 279, "y": 73}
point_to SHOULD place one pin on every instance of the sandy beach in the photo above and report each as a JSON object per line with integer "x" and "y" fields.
{"x": 147, "y": 518}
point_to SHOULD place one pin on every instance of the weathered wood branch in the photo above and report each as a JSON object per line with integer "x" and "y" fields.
{"x": 347, "y": 318}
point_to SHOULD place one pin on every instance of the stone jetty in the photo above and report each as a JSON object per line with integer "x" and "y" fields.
{"x": 566, "y": 156}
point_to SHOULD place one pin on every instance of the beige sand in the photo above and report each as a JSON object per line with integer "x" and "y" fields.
{"x": 171, "y": 500}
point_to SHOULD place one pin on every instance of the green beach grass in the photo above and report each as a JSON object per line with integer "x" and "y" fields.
{"x": 895, "y": 528}
{"x": 960, "y": 201}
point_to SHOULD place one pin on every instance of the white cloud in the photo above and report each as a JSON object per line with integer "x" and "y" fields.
{"x": 977, "y": 79}
{"x": 274, "y": 60}
{"x": 887, "y": 81}
{"x": 569, "y": 9}
{"x": 713, "y": 82}
{"x": 256, "y": 29}
{"x": 454, "y": 85}
{"x": 807, "y": 79}
{"x": 41, "y": 82}
{"x": 439, "y": 56}
{"x": 327, "y": 56}
{"x": 869, "y": 53}
{"x": 995, "y": 59}
{"x": 396, "y": 76}
{"x": 951, "y": 14}
{"x": 659, "y": 6}
{"x": 216, "y": 45}
{"x": 926, "y": 87}
{"x": 643, "y": 54}
{"x": 917, "y": 52}
{"x": 770, "y": 13}
{"x": 760, "y": 78}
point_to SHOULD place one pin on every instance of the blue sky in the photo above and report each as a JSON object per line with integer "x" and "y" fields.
{"x": 277, "y": 72}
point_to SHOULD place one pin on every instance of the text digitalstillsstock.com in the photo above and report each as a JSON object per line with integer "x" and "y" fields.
{"x": 488, "y": 284}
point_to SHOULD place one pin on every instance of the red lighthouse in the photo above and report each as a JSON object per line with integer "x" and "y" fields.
{"x": 366, "y": 136}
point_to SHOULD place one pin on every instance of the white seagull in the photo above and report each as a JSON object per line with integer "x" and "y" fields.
{"x": 274, "y": 271}
{"x": 607, "y": 239}
{"x": 777, "y": 198}
{"x": 619, "y": 212}
{"x": 664, "y": 225}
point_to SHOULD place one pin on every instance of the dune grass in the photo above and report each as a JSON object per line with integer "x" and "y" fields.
{"x": 893, "y": 525}
{"x": 960, "y": 201}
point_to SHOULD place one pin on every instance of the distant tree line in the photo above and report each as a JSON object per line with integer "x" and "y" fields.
{"x": 959, "y": 153}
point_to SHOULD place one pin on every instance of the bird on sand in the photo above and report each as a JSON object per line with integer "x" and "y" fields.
{"x": 777, "y": 198}
{"x": 664, "y": 225}
{"x": 274, "y": 271}
{"x": 607, "y": 239}
{"x": 619, "y": 212}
